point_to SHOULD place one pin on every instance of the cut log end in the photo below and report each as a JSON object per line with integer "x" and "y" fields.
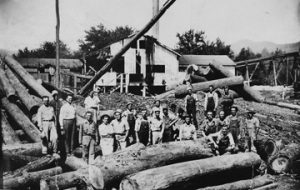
{"x": 128, "y": 184}
{"x": 281, "y": 164}
{"x": 96, "y": 177}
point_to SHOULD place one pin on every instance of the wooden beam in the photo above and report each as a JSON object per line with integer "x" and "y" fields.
{"x": 116, "y": 57}
{"x": 274, "y": 72}
{"x": 252, "y": 74}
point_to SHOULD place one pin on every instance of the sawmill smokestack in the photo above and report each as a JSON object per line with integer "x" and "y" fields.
{"x": 155, "y": 10}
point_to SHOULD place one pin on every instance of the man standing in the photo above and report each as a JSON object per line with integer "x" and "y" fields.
{"x": 235, "y": 124}
{"x": 142, "y": 128}
{"x": 91, "y": 103}
{"x": 121, "y": 129}
{"x": 46, "y": 122}
{"x": 209, "y": 124}
{"x": 187, "y": 131}
{"x": 224, "y": 143}
{"x": 211, "y": 100}
{"x": 190, "y": 104}
{"x": 156, "y": 105}
{"x": 88, "y": 137}
{"x": 130, "y": 116}
{"x": 180, "y": 121}
{"x": 157, "y": 126}
{"x": 67, "y": 122}
{"x": 169, "y": 121}
{"x": 252, "y": 125}
{"x": 227, "y": 101}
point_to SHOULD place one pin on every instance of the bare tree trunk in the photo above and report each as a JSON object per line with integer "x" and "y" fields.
{"x": 6, "y": 86}
{"x": 57, "y": 44}
{"x": 30, "y": 149}
{"x": 8, "y": 133}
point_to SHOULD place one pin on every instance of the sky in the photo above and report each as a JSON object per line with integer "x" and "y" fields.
{"x": 28, "y": 23}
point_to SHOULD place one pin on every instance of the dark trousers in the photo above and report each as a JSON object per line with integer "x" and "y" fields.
{"x": 69, "y": 128}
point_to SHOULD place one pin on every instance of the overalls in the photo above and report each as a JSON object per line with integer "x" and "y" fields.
{"x": 143, "y": 133}
{"x": 191, "y": 108}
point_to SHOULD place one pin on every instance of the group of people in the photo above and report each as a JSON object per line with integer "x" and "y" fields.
{"x": 158, "y": 125}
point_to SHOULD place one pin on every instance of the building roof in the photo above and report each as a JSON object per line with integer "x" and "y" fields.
{"x": 42, "y": 62}
{"x": 204, "y": 60}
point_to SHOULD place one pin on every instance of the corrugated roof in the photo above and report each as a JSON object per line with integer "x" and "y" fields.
{"x": 41, "y": 62}
{"x": 204, "y": 60}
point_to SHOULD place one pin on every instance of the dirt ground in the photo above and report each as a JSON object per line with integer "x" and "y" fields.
{"x": 277, "y": 123}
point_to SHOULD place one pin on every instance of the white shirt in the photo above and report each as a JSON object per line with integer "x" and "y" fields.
{"x": 187, "y": 132}
{"x": 67, "y": 111}
{"x": 90, "y": 102}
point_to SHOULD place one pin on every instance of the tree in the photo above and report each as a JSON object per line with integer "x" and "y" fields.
{"x": 245, "y": 54}
{"x": 46, "y": 50}
{"x": 194, "y": 42}
{"x": 98, "y": 37}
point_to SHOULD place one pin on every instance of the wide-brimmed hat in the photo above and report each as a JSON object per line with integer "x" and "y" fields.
{"x": 118, "y": 111}
{"x": 251, "y": 110}
{"x": 54, "y": 92}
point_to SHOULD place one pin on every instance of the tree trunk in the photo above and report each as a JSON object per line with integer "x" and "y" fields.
{"x": 243, "y": 184}
{"x": 65, "y": 180}
{"x": 75, "y": 163}
{"x": 8, "y": 133}
{"x": 40, "y": 164}
{"x": 31, "y": 149}
{"x": 267, "y": 187}
{"x": 6, "y": 86}
{"x": 116, "y": 57}
{"x": 110, "y": 169}
{"x": 11, "y": 162}
{"x": 21, "y": 119}
{"x": 57, "y": 73}
{"x": 182, "y": 174}
{"x": 285, "y": 160}
{"x": 165, "y": 95}
{"x": 31, "y": 104}
{"x": 30, "y": 178}
{"x": 245, "y": 91}
{"x": 26, "y": 77}
{"x": 203, "y": 86}
{"x": 266, "y": 147}
{"x": 283, "y": 105}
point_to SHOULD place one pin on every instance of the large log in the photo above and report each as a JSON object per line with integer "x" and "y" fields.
{"x": 6, "y": 86}
{"x": 165, "y": 95}
{"x": 26, "y": 77}
{"x": 285, "y": 160}
{"x": 21, "y": 119}
{"x": 31, "y": 103}
{"x": 283, "y": 105}
{"x": 12, "y": 161}
{"x": 181, "y": 174}
{"x": 110, "y": 169}
{"x": 30, "y": 178}
{"x": 203, "y": 86}
{"x": 268, "y": 187}
{"x": 116, "y": 57}
{"x": 45, "y": 162}
{"x": 245, "y": 91}
{"x": 75, "y": 163}
{"x": 243, "y": 184}
{"x": 266, "y": 147}
{"x": 30, "y": 149}
{"x": 8, "y": 133}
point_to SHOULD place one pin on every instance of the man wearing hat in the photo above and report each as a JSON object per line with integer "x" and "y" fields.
{"x": 156, "y": 126}
{"x": 121, "y": 129}
{"x": 190, "y": 104}
{"x": 187, "y": 131}
{"x": 169, "y": 121}
{"x": 57, "y": 104}
{"x": 211, "y": 100}
{"x": 142, "y": 128}
{"x": 252, "y": 126}
{"x": 92, "y": 103}
{"x": 106, "y": 133}
{"x": 130, "y": 116}
{"x": 88, "y": 137}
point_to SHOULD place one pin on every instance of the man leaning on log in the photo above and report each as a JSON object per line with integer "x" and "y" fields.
{"x": 46, "y": 123}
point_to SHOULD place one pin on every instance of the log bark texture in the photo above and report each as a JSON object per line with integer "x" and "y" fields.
{"x": 22, "y": 120}
{"x": 284, "y": 161}
{"x": 31, "y": 103}
{"x": 75, "y": 163}
{"x": 203, "y": 86}
{"x": 30, "y": 149}
{"x": 267, "y": 187}
{"x": 6, "y": 86}
{"x": 245, "y": 91}
{"x": 30, "y": 178}
{"x": 109, "y": 170}
{"x": 26, "y": 77}
{"x": 39, "y": 164}
{"x": 266, "y": 147}
{"x": 179, "y": 174}
{"x": 243, "y": 184}
{"x": 116, "y": 57}
{"x": 8, "y": 133}
{"x": 12, "y": 162}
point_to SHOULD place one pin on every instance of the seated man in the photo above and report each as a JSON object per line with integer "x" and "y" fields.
{"x": 209, "y": 124}
{"x": 187, "y": 130}
{"x": 224, "y": 143}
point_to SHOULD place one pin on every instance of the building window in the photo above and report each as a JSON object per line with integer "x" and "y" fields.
{"x": 155, "y": 69}
{"x": 119, "y": 66}
{"x": 142, "y": 44}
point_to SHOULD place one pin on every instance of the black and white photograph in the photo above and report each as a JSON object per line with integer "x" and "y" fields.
{"x": 150, "y": 94}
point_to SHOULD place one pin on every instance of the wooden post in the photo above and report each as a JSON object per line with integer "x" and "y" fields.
{"x": 57, "y": 44}
{"x": 116, "y": 57}
{"x": 247, "y": 75}
{"x": 274, "y": 72}
{"x": 121, "y": 82}
{"x": 75, "y": 84}
{"x": 126, "y": 83}
{"x": 287, "y": 71}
